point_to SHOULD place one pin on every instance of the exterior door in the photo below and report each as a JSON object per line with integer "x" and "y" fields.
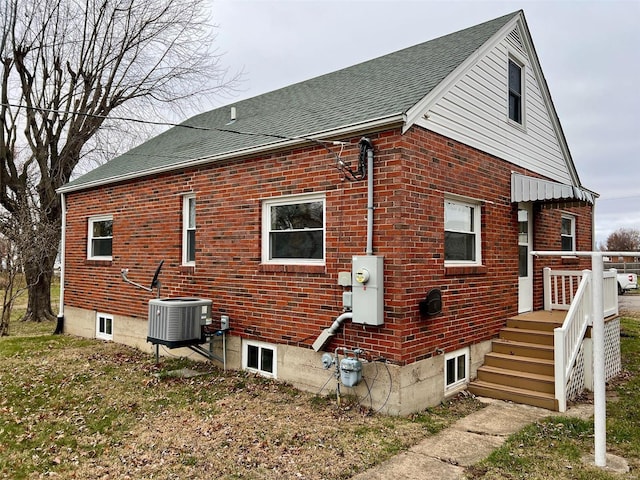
{"x": 525, "y": 261}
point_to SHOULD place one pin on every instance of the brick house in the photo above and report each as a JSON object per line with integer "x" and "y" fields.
{"x": 434, "y": 169}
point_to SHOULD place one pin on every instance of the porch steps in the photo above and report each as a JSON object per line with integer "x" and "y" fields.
{"x": 520, "y": 366}
{"x": 516, "y": 395}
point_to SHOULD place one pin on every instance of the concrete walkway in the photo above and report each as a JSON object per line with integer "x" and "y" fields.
{"x": 466, "y": 442}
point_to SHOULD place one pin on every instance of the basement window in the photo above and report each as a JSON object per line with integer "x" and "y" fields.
{"x": 100, "y": 238}
{"x": 456, "y": 369}
{"x": 104, "y": 326}
{"x": 260, "y": 358}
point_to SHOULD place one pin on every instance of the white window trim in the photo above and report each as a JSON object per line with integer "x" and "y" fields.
{"x": 266, "y": 228}
{"x": 518, "y": 60}
{"x": 477, "y": 220}
{"x": 185, "y": 228}
{"x": 260, "y": 345}
{"x": 90, "y": 222}
{"x": 463, "y": 381}
{"x": 573, "y": 231}
{"x": 101, "y": 335}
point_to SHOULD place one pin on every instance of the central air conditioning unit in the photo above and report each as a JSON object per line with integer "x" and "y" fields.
{"x": 177, "y": 322}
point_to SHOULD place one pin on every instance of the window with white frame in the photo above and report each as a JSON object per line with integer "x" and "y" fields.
{"x": 516, "y": 91}
{"x": 104, "y": 326}
{"x": 293, "y": 229}
{"x": 100, "y": 238}
{"x": 461, "y": 232}
{"x": 189, "y": 230}
{"x": 260, "y": 358}
{"x": 456, "y": 369}
{"x": 568, "y": 233}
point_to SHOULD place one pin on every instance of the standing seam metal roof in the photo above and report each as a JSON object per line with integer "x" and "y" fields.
{"x": 378, "y": 88}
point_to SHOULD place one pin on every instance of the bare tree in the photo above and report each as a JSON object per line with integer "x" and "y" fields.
{"x": 67, "y": 66}
{"x": 18, "y": 239}
{"x": 623, "y": 240}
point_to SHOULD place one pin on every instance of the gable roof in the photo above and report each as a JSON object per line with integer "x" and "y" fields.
{"x": 375, "y": 92}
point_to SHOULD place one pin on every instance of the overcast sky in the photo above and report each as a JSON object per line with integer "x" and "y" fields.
{"x": 589, "y": 51}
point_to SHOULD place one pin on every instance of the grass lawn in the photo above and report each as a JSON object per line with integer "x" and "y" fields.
{"x": 554, "y": 448}
{"x": 86, "y": 409}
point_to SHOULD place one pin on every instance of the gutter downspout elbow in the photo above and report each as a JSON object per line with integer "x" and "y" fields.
{"x": 327, "y": 333}
{"x": 338, "y": 322}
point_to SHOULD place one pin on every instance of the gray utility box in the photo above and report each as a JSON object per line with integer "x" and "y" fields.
{"x": 368, "y": 290}
{"x": 176, "y": 322}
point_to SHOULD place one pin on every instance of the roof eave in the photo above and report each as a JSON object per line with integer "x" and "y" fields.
{"x": 397, "y": 119}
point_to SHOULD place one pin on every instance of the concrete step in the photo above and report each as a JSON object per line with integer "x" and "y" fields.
{"x": 541, "y": 366}
{"x": 518, "y": 395}
{"x": 516, "y": 379}
{"x": 524, "y": 349}
{"x": 525, "y": 335}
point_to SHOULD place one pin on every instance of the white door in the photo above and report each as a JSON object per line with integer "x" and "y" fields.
{"x": 525, "y": 261}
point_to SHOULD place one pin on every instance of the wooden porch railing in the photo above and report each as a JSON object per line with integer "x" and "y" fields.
{"x": 572, "y": 291}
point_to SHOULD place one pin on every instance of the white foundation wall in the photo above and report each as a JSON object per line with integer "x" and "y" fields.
{"x": 387, "y": 388}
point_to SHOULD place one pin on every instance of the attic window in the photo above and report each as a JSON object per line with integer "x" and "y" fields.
{"x": 515, "y": 91}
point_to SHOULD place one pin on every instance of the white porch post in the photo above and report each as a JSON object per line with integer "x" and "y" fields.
{"x": 546, "y": 281}
{"x": 599, "y": 374}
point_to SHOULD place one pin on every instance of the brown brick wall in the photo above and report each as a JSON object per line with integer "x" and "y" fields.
{"x": 292, "y": 305}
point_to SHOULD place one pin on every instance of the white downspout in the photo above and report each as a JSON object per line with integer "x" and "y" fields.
{"x": 63, "y": 203}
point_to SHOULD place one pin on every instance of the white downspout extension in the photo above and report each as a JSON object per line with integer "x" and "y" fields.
{"x": 327, "y": 333}
{"x": 63, "y": 203}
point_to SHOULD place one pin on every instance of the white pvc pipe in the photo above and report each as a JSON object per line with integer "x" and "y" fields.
{"x": 599, "y": 376}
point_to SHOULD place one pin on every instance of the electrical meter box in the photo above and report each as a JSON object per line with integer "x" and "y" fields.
{"x": 368, "y": 290}
{"x": 350, "y": 371}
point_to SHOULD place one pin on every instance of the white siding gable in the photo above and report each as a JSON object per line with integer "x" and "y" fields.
{"x": 473, "y": 108}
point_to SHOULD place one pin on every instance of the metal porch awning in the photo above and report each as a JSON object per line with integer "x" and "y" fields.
{"x": 531, "y": 189}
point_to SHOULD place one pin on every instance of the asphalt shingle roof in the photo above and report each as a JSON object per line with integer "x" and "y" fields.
{"x": 378, "y": 88}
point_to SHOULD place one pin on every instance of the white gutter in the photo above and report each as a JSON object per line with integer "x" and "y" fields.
{"x": 398, "y": 118}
